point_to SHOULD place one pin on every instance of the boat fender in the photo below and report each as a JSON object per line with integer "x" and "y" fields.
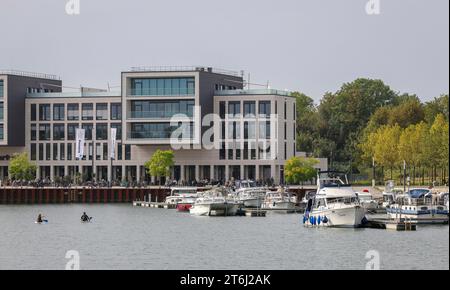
{"x": 314, "y": 220}
{"x": 318, "y": 220}
{"x": 304, "y": 219}
{"x": 311, "y": 220}
{"x": 325, "y": 219}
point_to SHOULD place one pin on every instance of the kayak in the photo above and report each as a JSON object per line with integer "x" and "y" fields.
{"x": 87, "y": 221}
{"x": 43, "y": 222}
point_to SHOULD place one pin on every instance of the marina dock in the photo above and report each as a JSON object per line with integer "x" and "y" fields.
{"x": 379, "y": 222}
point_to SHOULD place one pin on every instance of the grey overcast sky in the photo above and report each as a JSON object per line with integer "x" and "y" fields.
{"x": 313, "y": 46}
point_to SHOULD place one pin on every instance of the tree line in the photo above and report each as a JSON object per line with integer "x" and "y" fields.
{"x": 366, "y": 121}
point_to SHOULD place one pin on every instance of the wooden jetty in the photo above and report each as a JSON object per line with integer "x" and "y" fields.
{"x": 154, "y": 204}
{"x": 392, "y": 224}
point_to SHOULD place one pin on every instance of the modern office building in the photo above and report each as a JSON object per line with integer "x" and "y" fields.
{"x": 224, "y": 131}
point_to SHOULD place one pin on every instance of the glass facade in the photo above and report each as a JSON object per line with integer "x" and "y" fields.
{"x": 163, "y": 87}
{"x": 157, "y": 131}
{"x": 161, "y": 109}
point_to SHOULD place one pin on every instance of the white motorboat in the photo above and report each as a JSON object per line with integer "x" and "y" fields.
{"x": 178, "y": 194}
{"x": 335, "y": 204}
{"x": 367, "y": 202}
{"x": 422, "y": 206}
{"x": 249, "y": 194}
{"x": 279, "y": 200}
{"x": 214, "y": 203}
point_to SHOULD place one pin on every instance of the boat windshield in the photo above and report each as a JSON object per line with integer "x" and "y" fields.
{"x": 247, "y": 184}
{"x": 333, "y": 179}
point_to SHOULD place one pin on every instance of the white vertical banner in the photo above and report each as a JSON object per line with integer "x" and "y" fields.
{"x": 112, "y": 144}
{"x": 79, "y": 146}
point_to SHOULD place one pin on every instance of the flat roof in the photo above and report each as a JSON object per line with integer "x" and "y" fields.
{"x": 74, "y": 95}
{"x": 206, "y": 69}
{"x": 253, "y": 92}
{"x": 30, "y": 74}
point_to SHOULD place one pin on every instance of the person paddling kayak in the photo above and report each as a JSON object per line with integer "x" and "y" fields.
{"x": 40, "y": 219}
{"x": 85, "y": 217}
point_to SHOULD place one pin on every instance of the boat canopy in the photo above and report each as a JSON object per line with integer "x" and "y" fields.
{"x": 419, "y": 193}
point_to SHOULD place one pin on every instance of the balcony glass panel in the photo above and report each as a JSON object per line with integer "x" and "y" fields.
{"x": 160, "y": 109}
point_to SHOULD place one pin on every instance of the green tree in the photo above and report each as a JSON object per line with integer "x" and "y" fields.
{"x": 306, "y": 122}
{"x": 382, "y": 145}
{"x": 160, "y": 164}
{"x": 437, "y": 106}
{"x": 344, "y": 114}
{"x": 20, "y": 168}
{"x": 300, "y": 169}
{"x": 439, "y": 140}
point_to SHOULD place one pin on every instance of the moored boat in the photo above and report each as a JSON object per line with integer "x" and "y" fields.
{"x": 335, "y": 204}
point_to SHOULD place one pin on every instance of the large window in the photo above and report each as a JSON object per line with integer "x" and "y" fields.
{"x": 1, "y": 132}
{"x": 157, "y": 131}
{"x": 234, "y": 130}
{"x": 33, "y": 132}
{"x": 33, "y": 112}
{"x": 71, "y": 131}
{"x": 58, "y": 112}
{"x": 222, "y": 110}
{"x": 264, "y": 130}
{"x": 163, "y": 87}
{"x": 44, "y": 112}
{"x": 1, "y": 111}
{"x": 58, "y": 132}
{"x": 1, "y": 89}
{"x": 264, "y": 109}
{"x": 101, "y": 111}
{"x": 44, "y": 132}
{"x": 87, "y": 112}
{"x": 161, "y": 109}
{"x": 33, "y": 152}
{"x": 73, "y": 112}
{"x": 87, "y": 131}
{"x": 116, "y": 111}
{"x": 234, "y": 109}
{"x": 101, "y": 131}
{"x": 249, "y": 109}
{"x": 249, "y": 130}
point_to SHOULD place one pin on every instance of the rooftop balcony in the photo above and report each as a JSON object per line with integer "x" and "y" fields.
{"x": 29, "y": 74}
{"x": 253, "y": 92}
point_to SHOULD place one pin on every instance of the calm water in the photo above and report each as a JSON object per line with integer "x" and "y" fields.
{"x": 125, "y": 237}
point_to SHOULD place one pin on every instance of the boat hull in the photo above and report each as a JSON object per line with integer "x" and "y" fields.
{"x": 215, "y": 209}
{"x": 347, "y": 217}
{"x": 184, "y": 207}
{"x": 252, "y": 203}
